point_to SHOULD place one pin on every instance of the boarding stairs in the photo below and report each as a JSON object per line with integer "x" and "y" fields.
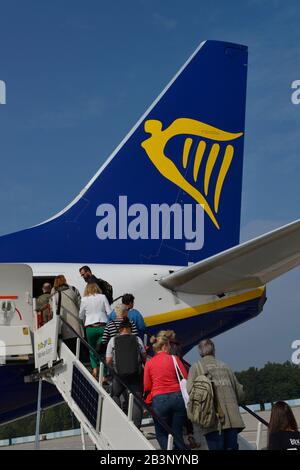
{"x": 108, "y": 427}
{"x": 106, "y": 424}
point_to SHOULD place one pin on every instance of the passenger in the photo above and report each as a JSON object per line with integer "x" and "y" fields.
{"x": 175, "y": 345}
{"x": 160, "y": 380}
{"x": 176, "y": 350}
{"x": 283, "y": 431}
{"x": 70, "y": 304}
{"x": 105, "y": 287}
{"x": 94, "y": 311}
{"x": 42, "y": 302}
{"x": 112, "y": 327}
{"x": 126, "y": 353}
{"x": 133, "y": 315}
{"x": 229, "y": 392}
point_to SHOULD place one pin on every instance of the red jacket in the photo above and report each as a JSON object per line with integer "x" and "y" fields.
{"x": 160, "y": 375}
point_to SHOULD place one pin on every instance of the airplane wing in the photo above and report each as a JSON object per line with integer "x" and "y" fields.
{"x": 245, "y": 266}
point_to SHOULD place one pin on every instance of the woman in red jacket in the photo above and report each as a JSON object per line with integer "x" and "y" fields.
{"x": 161, "y": 381}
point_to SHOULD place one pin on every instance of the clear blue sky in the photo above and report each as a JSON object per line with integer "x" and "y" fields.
{"x": 79, "y": 75}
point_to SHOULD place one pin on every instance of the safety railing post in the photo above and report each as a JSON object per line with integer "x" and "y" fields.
{"x": 170, "y": 442}
{"x": 38, "y": 417}
{"x": 82, "y": 437}
{"x": 77, "y": 348}
{"x": 130, "y": 406}
{"x": 101, "y": 373}
{"x": 258, "y": 435}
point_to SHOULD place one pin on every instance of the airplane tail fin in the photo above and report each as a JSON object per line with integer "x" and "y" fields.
{"x": 171, "y": 191}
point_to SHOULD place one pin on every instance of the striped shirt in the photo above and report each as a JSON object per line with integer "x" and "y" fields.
{"x": 112, "y": 329}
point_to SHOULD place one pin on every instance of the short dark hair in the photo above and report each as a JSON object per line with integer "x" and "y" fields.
{"x": 125, "y": 323}
{"x": 127, "y": 299}
{"x": 85, "y": 268}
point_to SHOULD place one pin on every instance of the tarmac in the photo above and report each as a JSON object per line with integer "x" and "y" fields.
{"x": 75, "y": 443}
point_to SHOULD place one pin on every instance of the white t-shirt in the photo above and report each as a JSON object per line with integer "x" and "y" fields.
{"x": 110, "y": 350}
{"x": 95, "y": 309}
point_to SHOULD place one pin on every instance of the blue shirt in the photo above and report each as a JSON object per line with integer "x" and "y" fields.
{"x": 137, "y": 318}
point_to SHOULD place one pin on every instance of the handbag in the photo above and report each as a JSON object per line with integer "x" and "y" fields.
{"x": 182, "y": 382}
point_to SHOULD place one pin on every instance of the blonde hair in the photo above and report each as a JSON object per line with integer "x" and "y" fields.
{"x": 160, "y": 342}
{"x": 59, "y": 281}
{"x": 92, "y": 289}
{"x": 170, "y": 334}
{"x": 121, "y": 310}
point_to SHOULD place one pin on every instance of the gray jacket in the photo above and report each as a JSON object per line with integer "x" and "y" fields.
{"x": 70, "y": 303}
{"x": 229, "y": 391}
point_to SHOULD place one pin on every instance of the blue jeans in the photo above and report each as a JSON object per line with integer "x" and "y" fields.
{"x": 227, "y": 440}
{"x": 170, "y": 409}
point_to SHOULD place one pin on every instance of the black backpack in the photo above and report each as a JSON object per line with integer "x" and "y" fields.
{"x": 106, "y": 289}
{"x": 127, "y": 355}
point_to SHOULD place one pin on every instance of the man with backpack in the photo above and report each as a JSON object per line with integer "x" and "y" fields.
{"x": 214, "y": 397}
{"x": 105, "y": 287}
{"x": 126, "y": 354}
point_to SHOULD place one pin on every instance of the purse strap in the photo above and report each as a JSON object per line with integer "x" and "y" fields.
{"x": 177, "y": 369}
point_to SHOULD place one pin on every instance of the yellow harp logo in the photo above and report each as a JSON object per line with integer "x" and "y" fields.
{"x": 155, "y": 147}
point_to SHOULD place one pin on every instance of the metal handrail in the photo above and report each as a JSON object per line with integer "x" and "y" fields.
{"x": 255, "y": 415}
{"x": 165, "y": 426}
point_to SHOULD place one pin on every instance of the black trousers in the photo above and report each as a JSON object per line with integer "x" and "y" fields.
{"x": 118, "y": 389}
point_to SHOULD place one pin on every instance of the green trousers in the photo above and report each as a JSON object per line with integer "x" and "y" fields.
{"x": 94, "y": 337}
